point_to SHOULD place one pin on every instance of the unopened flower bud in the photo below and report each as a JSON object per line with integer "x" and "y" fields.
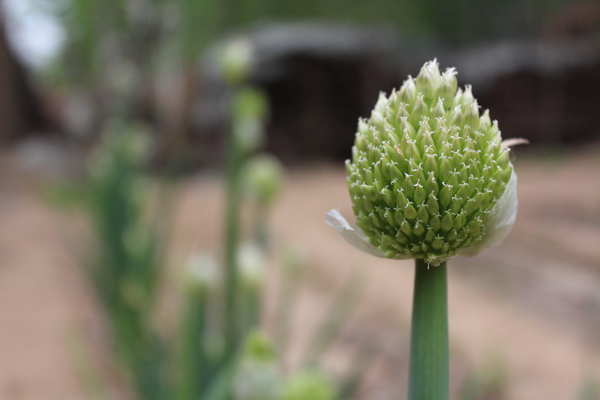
{"x": 308, "y": 385}
{"x": 236, "y": 60}
{"x": 249, "y": 112}
{"x": 201, "y": 274}
{"x": 448, "y": 189}
{"x": 263, "y": 178}
{"x": 252, "y": 262}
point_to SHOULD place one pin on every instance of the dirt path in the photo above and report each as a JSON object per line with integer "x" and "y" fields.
{"x": 40, "y": 298}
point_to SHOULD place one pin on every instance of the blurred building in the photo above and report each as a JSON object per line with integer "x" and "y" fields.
{"x": 320, "y": 78}
{"x": 20, "y": 108}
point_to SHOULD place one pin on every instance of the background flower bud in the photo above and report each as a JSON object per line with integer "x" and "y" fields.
{"x": 263, "y": 178}
{"x": 201, "y": 274}
{"x": 250, "y": 108}
{"x": 252, "y": 262}
{"x": 258, "y": 376}
{"x": 308, "y": 385}
{"x": 236, "y": 60}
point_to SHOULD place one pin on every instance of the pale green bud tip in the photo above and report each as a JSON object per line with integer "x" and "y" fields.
{"x": 202, "y": 273}
{"x": 428, "y": 176}
{"x": 263, "y": 178}
{"x": 250, "y": 109}
{"x": 252, "y": 262}
{"x": 251, "y": 103}
{"x": 236, "y": 60}
{"x": 308, "y": 385}
{"x": 258, "y": 347}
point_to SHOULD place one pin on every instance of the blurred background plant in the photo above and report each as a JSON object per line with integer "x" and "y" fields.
{"x": 221, "y": 303}
{"x": 129, "y": 225}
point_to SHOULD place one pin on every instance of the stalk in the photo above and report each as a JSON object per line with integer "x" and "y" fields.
{"x": 231, "y": 242}
{"x": 250, "y": 309}
{"x": 193, "y": 365}
{"x": 260, "y": 227}
{"x": 429, "y": 360}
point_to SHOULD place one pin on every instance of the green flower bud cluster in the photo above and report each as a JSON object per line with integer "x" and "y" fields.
{"x": 426, "y": 169}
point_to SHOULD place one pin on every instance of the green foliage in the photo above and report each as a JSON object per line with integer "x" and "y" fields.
{"x": 129, "y": 212}
{"x": 309, "y": 384}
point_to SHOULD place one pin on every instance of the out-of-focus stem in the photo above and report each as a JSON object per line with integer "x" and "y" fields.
{"x": 260, "y": 227}
{"x": 193, "y": 370}
{"x": 233, "y": 194}
{"x": 429, "y": 359}
{"x": 251, "y": 309}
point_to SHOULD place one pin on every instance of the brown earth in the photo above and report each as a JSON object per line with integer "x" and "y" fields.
{"x": 533, "y": 302}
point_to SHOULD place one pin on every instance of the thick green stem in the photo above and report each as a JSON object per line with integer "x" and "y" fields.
{"x": 429, "y": 360}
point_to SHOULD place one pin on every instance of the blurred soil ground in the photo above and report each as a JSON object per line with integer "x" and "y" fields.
{"x": 533, "y": 303}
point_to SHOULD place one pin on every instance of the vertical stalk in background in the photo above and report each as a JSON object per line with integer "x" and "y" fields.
{"x": 192, "y": 360}
{"x": 195, "y": 367}
{"x": 232, "y": 232}
{"x": 263, "y": 181}
{"x": 252, "y": 262}
{"x": 248, "y": 108}
{"x": 234, "y": 67}
{"x": 429, "y": 359}
{"x": 260, "y": 228}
